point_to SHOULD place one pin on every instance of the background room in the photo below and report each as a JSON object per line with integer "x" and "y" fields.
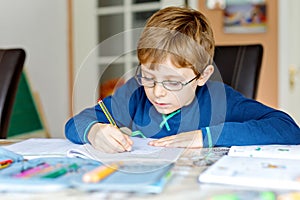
{"x": 59, "y": 37}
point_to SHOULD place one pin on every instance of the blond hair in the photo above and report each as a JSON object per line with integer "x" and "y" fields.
{"x": 182, "y": 34}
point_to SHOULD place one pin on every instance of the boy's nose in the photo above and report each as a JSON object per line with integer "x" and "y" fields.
{"x": 159, "y": 90}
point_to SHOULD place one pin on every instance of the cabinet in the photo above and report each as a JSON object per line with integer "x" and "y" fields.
{"x": 119, "y": 23}
{"x": 105, "y": 38}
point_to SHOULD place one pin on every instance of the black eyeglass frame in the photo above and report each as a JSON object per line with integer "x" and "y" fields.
{"x": 138, "y": 75}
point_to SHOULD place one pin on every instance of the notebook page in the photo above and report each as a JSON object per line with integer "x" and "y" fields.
{"x": 41, "y": 147}
{"x": 141, "y": 151}
{"x": 50, "y": 147}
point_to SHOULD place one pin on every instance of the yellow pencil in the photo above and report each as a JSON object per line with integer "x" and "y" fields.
{"x": 99, "y": 173}
{"x": 4, "y": 166}
{"x": 111, "y": 120}
{"x": 106, "y": 112}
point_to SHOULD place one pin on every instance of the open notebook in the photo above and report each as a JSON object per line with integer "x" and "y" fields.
{"x": 141, "y": 151}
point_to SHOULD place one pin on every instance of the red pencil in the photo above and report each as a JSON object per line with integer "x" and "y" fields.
{"x": 5, "y": 162}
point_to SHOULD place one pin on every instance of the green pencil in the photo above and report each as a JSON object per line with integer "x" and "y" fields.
{"x": 61, "y": 171}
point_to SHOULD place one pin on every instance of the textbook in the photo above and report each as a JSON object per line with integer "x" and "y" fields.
{"x": 266, "y": 151}
{"x": 263, "y": 166}
{"x": 54, "y": 147}
{"x": 267, "y": 173}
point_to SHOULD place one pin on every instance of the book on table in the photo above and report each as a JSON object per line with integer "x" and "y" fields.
{"x": 266, "y": 151}
{"x": 258, "y": 166}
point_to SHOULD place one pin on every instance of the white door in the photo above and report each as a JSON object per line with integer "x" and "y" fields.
{"x": 289, "y": 57}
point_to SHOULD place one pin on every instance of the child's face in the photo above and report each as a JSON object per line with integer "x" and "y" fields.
{"x": 166, "y": 101}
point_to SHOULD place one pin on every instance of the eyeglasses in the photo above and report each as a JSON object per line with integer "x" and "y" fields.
{"x": 169, "y": 85}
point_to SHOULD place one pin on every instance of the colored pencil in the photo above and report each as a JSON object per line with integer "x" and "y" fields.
{"x": 106, "y": 112}
{"x": 99, "y": 173}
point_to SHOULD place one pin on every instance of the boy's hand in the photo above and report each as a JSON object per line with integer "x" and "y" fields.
{"x": 192, "y": 139}
{"x": 109, "y": 139}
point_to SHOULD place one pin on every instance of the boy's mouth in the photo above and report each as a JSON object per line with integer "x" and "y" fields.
{"x": 163, "y": 105}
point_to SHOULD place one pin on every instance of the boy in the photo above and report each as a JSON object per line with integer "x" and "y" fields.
{"x": 171, "y": 99}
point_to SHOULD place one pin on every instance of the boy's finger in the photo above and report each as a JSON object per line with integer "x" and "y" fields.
{"x": 126, "y": 131}
{"x": 161, "y": 141}
{"x": 124, "y": 142}
{"x": 128, "y": 139}
{"x": 115, "y": 146}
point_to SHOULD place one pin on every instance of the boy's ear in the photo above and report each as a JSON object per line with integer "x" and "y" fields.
{"x": 208, "y": 71}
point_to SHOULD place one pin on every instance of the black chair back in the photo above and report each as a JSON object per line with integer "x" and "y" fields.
{"x": 239, "y": 66}
{"x": 11, "y": 65}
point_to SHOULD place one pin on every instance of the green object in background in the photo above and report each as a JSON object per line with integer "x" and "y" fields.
{"x": 226, "y": 197}
{"x": 268, "y": 195}
{"x": 245, "y": 195}
{"x": 25, "y": 116}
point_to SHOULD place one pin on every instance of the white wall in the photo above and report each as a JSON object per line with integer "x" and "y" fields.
{"x": 40, "y": 27}
{"x": 86, "y": 71}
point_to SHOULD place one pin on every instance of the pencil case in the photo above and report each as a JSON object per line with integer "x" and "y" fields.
{"x": 6, "y": 154}
{"x": 14, "y": 177}
{"x": 131, "y": 177}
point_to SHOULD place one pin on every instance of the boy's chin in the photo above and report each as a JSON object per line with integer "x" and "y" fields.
{"x": 165, "y": 111}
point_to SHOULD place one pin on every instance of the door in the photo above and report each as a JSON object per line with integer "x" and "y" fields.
{"x": 289, "y": 57}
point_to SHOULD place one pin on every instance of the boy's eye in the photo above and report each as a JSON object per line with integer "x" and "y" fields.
{"x": 172, "y": 83}
{"x": 147, "y": 80}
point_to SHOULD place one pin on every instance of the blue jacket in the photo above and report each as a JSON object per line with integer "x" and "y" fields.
{"x": 229, "y": 117}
